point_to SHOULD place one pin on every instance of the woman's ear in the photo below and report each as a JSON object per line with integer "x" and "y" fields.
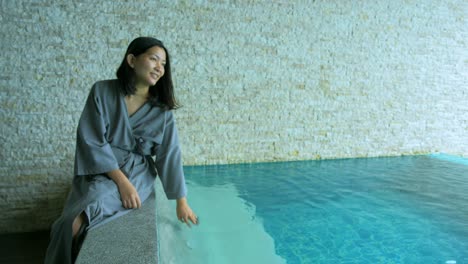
{"x": 131, "y": 60}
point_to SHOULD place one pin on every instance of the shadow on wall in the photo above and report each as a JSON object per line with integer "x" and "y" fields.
{"x": 29, "y": 214}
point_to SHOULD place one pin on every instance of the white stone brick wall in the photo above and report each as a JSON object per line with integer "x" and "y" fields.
{"x": 259, "y": 81}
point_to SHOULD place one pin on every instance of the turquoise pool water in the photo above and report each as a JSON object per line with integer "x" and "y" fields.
{"x": 409, "y": 209}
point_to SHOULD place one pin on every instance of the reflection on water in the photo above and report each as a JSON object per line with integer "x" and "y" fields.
{"x": 229, "y": 230}
{"x": 378, "y": 210}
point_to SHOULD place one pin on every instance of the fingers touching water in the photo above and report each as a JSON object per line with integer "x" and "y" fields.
{"x": 185, "y": 213}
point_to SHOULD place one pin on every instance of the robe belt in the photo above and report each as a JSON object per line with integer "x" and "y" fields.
{"x": 139, "y": 150}
{"x": 138, "y": 146}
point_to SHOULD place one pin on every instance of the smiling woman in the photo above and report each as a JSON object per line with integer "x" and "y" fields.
{"x": 148, "y": 60}
{"x": 124, "y": 124}
{"x": 148, "y": 67}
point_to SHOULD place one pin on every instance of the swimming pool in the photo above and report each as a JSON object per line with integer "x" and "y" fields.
{"x": 410, "y": 209}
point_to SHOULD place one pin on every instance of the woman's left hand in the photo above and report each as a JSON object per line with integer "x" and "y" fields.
{"x": 184, "y": 213}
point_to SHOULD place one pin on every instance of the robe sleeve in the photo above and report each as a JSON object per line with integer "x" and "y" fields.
{"x": 93, "y": 152}
{"x": 169, "y": 161}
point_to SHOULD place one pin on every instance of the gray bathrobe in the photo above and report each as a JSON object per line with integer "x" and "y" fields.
{"x": 108, "y": 139}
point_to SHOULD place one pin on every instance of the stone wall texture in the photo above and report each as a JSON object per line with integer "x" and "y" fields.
{"x": 258, "y": 80}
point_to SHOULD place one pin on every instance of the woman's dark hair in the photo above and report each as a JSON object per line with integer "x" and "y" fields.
{"x": 161, "y": 94}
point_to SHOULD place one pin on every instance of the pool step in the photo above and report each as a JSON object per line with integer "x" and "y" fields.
{"x": 131, "y": 238}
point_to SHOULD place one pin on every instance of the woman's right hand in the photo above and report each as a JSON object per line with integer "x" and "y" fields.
{"x": 129, "y": 195}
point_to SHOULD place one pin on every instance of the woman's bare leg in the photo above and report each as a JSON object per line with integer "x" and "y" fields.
{"x": 79, "y": 220}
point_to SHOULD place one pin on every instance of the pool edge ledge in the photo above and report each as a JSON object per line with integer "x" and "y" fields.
{"x": 450, "y": 158}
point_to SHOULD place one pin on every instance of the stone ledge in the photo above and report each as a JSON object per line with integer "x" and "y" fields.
{"x": 131, "y": 238}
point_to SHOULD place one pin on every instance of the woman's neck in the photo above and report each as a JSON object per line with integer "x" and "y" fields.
{"x": 141, "y": 91}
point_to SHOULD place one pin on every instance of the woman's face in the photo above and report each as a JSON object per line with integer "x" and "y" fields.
{"x": 148, "y": 66}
